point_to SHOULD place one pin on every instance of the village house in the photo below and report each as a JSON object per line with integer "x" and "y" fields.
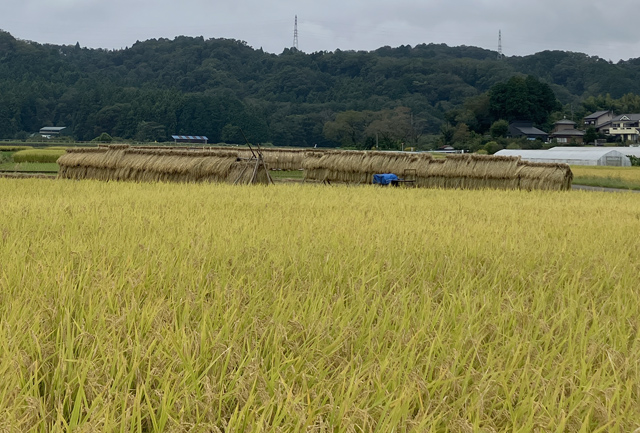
{"x": 526, "y": 129}
{"x": 626, "y": 127}
{"x": 599, "y": 120}
{"x": 565, "y": 131}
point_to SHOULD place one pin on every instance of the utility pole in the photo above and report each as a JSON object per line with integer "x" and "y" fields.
{"x": 295, "y": 34}
{"x": 414, "y": 139}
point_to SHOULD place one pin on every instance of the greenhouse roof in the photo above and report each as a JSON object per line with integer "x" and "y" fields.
{"x": 560, "y": 155}
{"x": 635, "y": 151}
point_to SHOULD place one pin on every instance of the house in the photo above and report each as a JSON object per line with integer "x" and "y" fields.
{"x": 599, "y": 120}
{"x": 565, "y": 131}
{"x": 526, "y": 129}
{"x": 201, "y": 139}
{"x": 626, "y": 127}
{"x": 447, "y": 149}
{"x": 53, "y": 131}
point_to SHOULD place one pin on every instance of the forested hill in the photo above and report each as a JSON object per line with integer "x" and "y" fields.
{"x": 214, "y": 87}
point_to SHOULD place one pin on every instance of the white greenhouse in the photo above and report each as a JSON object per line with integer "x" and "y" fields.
{"x": 633, "y": 151}
{"x": 597, "y": 156}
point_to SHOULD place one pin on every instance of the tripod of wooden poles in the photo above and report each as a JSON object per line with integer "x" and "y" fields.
{"x": 258, "y": 157}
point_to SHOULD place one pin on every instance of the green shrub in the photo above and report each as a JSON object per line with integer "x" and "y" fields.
{"x": 37, "y": 155}
{"x": 492, "y": 147}
{"x": 103, "y": 138}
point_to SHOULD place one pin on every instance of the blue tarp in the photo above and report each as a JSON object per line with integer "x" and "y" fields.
{"x": 384, "y": 179}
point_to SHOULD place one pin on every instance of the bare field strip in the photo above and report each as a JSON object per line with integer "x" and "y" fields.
{"x": 296, "y": 308}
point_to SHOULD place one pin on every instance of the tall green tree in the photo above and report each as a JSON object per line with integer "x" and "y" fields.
{"x": 523, "y": 98}
{"x": 348, "y": 128}
{"x": 499, "y": 128}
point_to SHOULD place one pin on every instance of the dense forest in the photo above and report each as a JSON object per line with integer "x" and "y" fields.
{"x": 218, "y": 87}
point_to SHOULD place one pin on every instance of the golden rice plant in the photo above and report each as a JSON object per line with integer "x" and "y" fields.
{"x": 38, "y": 155}
{"x": 145, "y": 307}
{"x": 620, "y": 177}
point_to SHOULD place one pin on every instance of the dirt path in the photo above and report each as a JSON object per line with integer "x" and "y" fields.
{"x": 601, "y": 189}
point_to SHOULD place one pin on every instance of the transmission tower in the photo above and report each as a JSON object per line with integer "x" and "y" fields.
{"x": 499, "y": 44}
{"x": 295, "y": 34}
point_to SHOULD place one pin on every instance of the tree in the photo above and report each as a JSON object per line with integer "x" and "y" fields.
{"x": 348, "y": 128}
{"x": 461, "y": 134}
{"x": 231, "y": 134}
{"x": 499, "y": 129}
{"x": 447, "y": 132}
{"x": 392, "y": 128}
{"x": 492, "y": 147}
{"x": 475, "y": 113}
{"x": 591, "y": 135}
{"x": 103, "y": 138}
{"x": 600, "y": 103}
{"x": 151, "y": 131}
{"x": 522, "y": 99}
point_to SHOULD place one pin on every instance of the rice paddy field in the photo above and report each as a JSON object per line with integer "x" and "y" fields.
{"x": 613, "y": 177}
{"x": 299, "y": 308}
{"x": 49, "y": 167}
{"x": 49, "y": 155}
{"x": 25, "y": 159}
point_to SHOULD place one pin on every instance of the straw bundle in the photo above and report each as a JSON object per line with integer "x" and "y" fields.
{"x": 540, "y": 175}
{"x": 467, "y": 171}
{"x": 278, "y": 158}
{"x": 155, "y": 164}
{"x": 275, "y": 158}
{"x": 284, "y": 159}
{"x": 358, "y": 166}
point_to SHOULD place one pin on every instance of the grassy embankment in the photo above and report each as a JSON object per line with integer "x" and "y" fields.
{"x": 139, "y": 307}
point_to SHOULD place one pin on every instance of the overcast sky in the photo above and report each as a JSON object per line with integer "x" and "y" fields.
{"x": 597, "y": 28}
